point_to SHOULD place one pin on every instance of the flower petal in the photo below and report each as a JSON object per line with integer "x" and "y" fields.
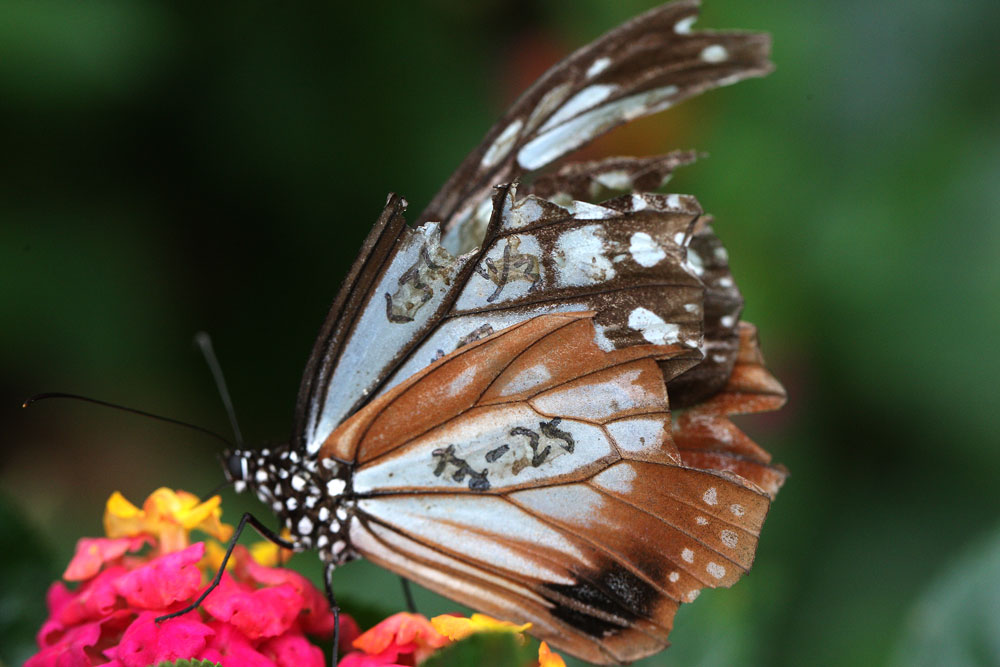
{"x": 171, "y": 578}
{"x": 94, "y": 600}
{"x": 92, "y": 553}
{"x": 361, "y": 659}
{"x": 231, "y": 648}
{"x": 70, "y": 650}
{"x": 314, "y": 609}
{"x": 265, "y": 612}
{"x": 146, "y": 642}
{"x": 290, "y": 650}
{"x": 546, "y": 658}
{"x": 457, "y": 627}
{"x": 404, "y": 633}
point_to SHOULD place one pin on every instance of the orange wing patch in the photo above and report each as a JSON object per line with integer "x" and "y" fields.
{"x": 533, "y": 476}
{"x": 708, "y": 439}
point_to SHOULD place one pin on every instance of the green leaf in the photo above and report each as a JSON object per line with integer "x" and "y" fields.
{"x": 189, "y": 663}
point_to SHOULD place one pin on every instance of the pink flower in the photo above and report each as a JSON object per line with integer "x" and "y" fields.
{"x": 257, "y": 617}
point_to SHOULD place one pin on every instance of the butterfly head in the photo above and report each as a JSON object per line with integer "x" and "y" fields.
{"x": 311, "y": 498}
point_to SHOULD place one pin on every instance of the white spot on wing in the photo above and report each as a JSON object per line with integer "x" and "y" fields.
{"x": 687, "y": 555}
{"x": 598, "y": 66}
{"x": 674, "y": 576}
{"x": 559, "y": 140}
{"x": 715, "y": 53}
{"x": 737, "y": 509}
{"x": 711, "y": 496}
{"x": 639, "y": 434}
{"x": 729, "y": 538}
{"x": 335, "y": 487}
{"x": 527, "y": 379}
{"x": 617, "y": 478}
{"x": 463, "y": 380}
{"x": 715, "y": 570}
{"x": 501, "y": 146}
{"x": 645, "y": 251}
{"x": 653, "y": 328}
{"x": 587, "y": 98}
{"x": 701, "y": 521}
{"x": 580, "y": 257}
{"x": 616, "y": 179}
{"x": 683, "y": 27}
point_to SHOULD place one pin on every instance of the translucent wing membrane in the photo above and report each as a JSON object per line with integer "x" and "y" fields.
{"x": 642, "y": 67}
{"x": 532, "y": 475}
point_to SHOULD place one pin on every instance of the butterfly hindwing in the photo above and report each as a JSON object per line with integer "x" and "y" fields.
{"x": 546, "y": 488}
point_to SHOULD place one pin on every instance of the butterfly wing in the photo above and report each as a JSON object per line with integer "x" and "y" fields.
{"x": 640, "y": 68}
{"x": 707, "y": 438}
{"x": 532, "y": 475}
{"x": 405, "y": 301}
{"x": 596, "y": 180}
{"x": 624, "y": 259}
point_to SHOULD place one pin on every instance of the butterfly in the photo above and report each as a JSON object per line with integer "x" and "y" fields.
{"x": 522, "y": 402}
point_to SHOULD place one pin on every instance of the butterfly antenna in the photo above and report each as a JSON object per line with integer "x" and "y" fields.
{"x": 87, "y": 399}
{"x": 204, "y": 343}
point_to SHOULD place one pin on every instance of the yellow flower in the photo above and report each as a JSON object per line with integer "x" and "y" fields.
{"x": 546, "y": 658}
{"x": 269, "y": 554}
{"x": 456, "y": 627}
{"x": 168, "y": 516}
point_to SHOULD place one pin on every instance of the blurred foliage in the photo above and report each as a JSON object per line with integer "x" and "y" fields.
{"x": 957, "y": 620}
{"x": 175, "y": 167}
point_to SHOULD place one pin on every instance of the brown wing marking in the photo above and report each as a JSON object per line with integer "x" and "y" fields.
{"x": 599, "y": 557}
{"x": 708, "y": 439}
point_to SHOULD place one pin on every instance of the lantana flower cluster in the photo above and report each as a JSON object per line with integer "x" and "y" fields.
{"x": 147, "y": 567}
{"x": 104, "y": 611}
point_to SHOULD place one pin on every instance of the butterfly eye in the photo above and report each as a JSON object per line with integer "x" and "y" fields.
{"x": 236, "y": 467}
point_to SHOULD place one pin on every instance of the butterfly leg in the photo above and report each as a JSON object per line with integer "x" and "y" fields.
{"x": 246, "y": 519}
{"x": 334, "y": 608}
{"x": 411, "y": 606}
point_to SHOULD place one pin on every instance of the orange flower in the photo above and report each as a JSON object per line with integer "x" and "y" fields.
{"x": 166, "y": 515}
{"x": 402, "y": 633}
{"x": 546, "y": 658}
{"x": 457, "y": 627}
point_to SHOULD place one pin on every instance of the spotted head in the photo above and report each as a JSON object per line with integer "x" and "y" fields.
{"x": 311, "y": 499}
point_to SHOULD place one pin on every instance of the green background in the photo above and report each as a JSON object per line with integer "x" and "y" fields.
{"x": 169, "y": 168}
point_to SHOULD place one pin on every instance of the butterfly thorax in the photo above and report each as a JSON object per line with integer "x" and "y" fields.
{"x": 308, "y": 496}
